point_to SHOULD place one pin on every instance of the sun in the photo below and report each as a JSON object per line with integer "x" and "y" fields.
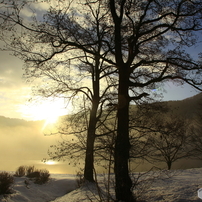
{"x": 50, "y": 162}
{"x": 48, "y": 110}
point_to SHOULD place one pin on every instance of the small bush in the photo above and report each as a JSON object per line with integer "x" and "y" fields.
{"x": 21, "y": 171}
{"x": 43, "y": 176}
{"x": 24, "y": 171}
{"x": 30, "y": 169}
{"x": 6, "y": 181}
{"x": 39, "y": 176}
{"x": 34, "y": 174}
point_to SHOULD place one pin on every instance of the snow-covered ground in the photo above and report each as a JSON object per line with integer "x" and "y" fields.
{"x": 173, "y": 186}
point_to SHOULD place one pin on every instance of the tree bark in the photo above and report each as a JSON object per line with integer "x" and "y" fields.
{"x": 122, "y": 144}
{"x": 89, "y": 159}
{"x": 91, "y": 134}
{"x": 169, "y": 164}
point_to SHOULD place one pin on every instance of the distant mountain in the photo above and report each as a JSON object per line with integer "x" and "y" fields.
{"x": 12, "y": 122}
{"x": 188, "y": 107}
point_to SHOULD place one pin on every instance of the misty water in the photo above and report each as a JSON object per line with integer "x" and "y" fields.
{"x": 24, "y": 143}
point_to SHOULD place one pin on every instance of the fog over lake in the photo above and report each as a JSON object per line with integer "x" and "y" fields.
{"x": 24, "y": 143}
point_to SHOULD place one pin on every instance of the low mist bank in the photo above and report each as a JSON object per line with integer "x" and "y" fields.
{"x": 24, "y": 143}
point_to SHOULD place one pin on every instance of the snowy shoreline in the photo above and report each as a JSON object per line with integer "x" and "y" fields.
{"x": 167, "y": 186}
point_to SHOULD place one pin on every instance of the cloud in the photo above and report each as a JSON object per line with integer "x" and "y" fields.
{"x": 11, "y": 99}
{"x": 13, "y": 89}
{"x": 11, "y": 71}
{"x": 15, "y": 93}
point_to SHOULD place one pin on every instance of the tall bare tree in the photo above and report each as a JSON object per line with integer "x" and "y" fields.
{"x": 150, "y": 39}
{"x": 67, "y": 53}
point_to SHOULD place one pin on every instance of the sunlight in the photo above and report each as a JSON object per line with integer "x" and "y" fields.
{"x": 48, "y": 110}
{"x": 50, "y": 162}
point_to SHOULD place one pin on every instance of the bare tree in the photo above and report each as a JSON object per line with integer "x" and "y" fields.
{"x": 169, "y": 141}
{"x": 149, "y": 39}
{"x": 68, "y": 56}
{"x": 72, "y": 146}
{"x": 142, "y": 122}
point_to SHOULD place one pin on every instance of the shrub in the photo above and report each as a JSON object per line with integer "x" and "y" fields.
{"x": 21, "y": 171}
{"x": 6, "y": 181}
{"x": 34, "y": 174}
{"x": 24, "y": 171}
{"x": 43, "y": 177}
{"x": 40, "y": 176}
{"x": 30, "y": 169}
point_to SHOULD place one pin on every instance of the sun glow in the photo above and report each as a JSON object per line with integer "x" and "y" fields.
{"x": 48, "y": 110}
{"x": 50, "y": 162}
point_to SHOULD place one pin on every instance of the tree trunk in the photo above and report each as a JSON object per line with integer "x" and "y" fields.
{"x": 91, "y": 134}
{"x": 122, "y": 144}
{"x": 89, "y": 159}
{"x": 169, "y": 164}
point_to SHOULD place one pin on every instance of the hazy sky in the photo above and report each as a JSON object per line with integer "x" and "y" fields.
{"x": 14, "y": 92}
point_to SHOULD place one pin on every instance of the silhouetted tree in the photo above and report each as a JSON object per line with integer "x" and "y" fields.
{"x": 149, "y": 39}
{"x": 72, "y": 146}
{"x": 169, "y": 141}
{"x": 142, "y": 123}
{"x": 67, "y": 53}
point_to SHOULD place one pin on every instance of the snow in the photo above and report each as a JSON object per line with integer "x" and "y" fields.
{"x": 162, "y": 186}
{"x": 179, "y": 186}
{"x": 58, "y": 185}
